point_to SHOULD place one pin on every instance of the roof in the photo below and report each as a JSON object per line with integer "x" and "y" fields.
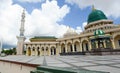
{"x": 44, "y": 37}
{"x": 96, "y": 15}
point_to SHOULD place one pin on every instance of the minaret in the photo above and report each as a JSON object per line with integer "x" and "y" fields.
{"x": 22, "y": 23}
{"x": 21, "y": 37}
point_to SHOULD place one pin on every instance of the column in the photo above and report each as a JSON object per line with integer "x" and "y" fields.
{"x": 73, "y": 49}
{"x": 40, "y": 51}
{"x": 49, "y": 51}
{"x": 31, "y": 51}
{"x": 89, "y": 46}
{"x": 80, "y": 49}
{"x": 104, "y": 43}
{"x": 26, "y": 50}
{"x": 57, "y": 49}
{"x": 96, "y": 42}
{"x": 44, "y": 51}
{"x": 36, "y": 52}
{"x": 113, "y": 44}
{"x": 65, "y": 48}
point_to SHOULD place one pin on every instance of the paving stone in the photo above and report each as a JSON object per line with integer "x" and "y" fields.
{"x": 104, "y": 68}
{"x": 103, "y": 62}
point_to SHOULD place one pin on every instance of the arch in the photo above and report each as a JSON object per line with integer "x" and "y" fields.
{"x": 117, "y": 41}
{"x": 47, "y": 51}
{"x": 38, "y": 51}
{"x": 68, "y": 41}
{"x": 33, "y": 51}
{"x": 53, "y": 50}
{"x": 42, "y": 51}
{"x": 29, "y": 51}
{"x": 69, "y": 47}
{"x": 76, "y": 40}
{"x": 76, "y": 46}
{"x": 63, "y": 48}
{"x": 85, "y": 46}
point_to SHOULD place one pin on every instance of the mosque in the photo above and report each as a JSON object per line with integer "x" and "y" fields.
{"x": 100, "y": 37}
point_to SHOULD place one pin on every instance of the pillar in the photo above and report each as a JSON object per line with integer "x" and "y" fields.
{"x": 96, "y": 42}
{"x": 90, "y": 47}
{"x": 113, "y": 44}
{"x": 73, "y": 49}
{"x": 36, "y": 52}
{"x": 104, "y": 44}
{"x": 26, "y": 51}
{"x": 65, "y": 47}
{"x": 49, "y": 51}
{"x": 57, "y": 49}
{"x": 40, "y": 51}
{"x": 31, "y": 51}
{"x": 80, "y": 49}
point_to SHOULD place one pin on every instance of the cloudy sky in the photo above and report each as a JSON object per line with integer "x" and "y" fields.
{"x": 49, "y": 17}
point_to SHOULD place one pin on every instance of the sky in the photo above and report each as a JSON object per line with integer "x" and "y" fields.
{"x": 49, "y": 17}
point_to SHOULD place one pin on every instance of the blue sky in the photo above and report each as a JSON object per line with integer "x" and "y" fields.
{"x": 74, "y": 18}
{"x": 50, "y": 17}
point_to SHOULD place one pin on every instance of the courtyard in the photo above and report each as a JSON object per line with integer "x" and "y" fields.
{"x": 108, "y": 63}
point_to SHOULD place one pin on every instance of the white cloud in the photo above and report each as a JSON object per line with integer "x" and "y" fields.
{"x": 83, "y": 25}
{"x": 40, "y": 22}
{"x": 78, "y": 29}
{"x": 109, "y": 7}
{"x": 31, "y": 1}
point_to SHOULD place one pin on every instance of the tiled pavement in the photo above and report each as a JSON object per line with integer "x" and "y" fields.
{"x": 109, "y": 63}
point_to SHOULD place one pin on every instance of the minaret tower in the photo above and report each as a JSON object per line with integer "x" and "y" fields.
{"x": 21, "y": 37}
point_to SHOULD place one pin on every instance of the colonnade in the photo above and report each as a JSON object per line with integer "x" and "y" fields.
{"x": 66, "y": 46}
{"x": 40, "y": 50}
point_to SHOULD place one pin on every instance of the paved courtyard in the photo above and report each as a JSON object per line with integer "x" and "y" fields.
{"x": 109, "y": 63}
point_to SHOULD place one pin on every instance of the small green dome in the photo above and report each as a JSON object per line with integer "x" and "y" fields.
{"x": 96, "y": 15}
{"x": 98, "y": 33}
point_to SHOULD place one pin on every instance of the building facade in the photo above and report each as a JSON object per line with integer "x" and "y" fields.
{"x": 99, "y": 33}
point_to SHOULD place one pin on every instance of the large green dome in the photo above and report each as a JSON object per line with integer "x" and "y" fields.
{"x": 96, "y": 15}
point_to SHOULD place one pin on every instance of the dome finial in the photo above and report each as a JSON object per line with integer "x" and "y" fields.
{"x": 93, "y": 8}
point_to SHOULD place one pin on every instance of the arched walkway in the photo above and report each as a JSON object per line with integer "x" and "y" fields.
{"x": 53, "y": 51}
{"x": 63, "y": 48}
{"x": 76, "y": 46}
{"x": 69, "y": 47}
{"x": 42, "y": 51}
{"x": 29, "y": 51}
{"x": 117, "y": 41}
{"x": 38, "y": 51}
{"x": 85, "y": 46}
{"x": 47, "y": 51}
{"x": 33, "y": 51}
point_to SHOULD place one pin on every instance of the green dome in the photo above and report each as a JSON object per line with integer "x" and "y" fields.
{"x": 96, "y": 15}
{"x": 98, "y": 33}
